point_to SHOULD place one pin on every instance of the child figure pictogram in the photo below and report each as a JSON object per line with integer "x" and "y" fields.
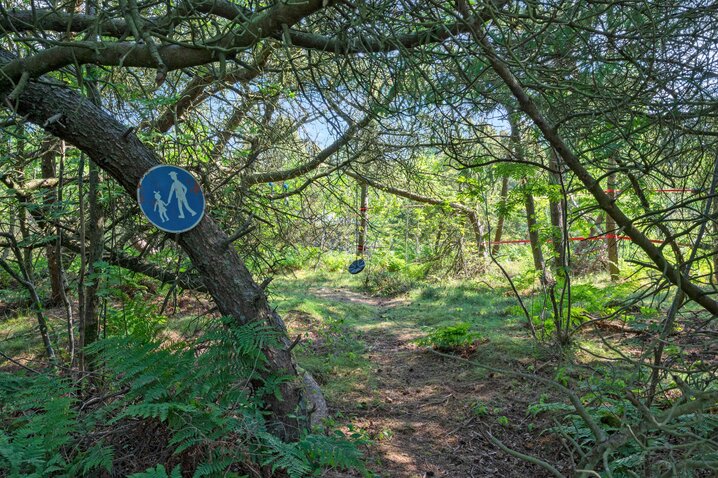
{"x": 161, "y": 206}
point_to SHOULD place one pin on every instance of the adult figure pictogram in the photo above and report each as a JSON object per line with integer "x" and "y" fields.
{"x": 180, "y": 192}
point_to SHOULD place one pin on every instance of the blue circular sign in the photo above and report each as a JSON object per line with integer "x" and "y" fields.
{"x": 171, "y": 198}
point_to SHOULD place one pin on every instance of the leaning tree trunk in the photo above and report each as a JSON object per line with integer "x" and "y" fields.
{"x": 551, "y": 134}
{"x": 115, "y": 149}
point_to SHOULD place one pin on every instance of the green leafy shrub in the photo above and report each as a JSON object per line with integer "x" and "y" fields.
{"x": 336, "y": 261}
{"x": 457, "y": 338}
{"x": 419, "y": 272}
{"x": 384, "y": 283}
{"x": 299, "y": 257}
{"x": 387, "y": 260}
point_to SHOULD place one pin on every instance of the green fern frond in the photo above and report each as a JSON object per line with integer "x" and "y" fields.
{"x": 288, "y": 457}
{"x": 158, "y": 472}
{"x": 215, "y": 468}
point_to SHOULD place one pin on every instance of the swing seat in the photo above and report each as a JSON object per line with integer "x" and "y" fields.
{"x": 357, "y": 266}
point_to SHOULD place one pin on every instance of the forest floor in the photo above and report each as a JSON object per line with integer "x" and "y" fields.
{"x": 418, "y": 413}
{"x": 421, "y": 414}
{"x": 424, "y": 414}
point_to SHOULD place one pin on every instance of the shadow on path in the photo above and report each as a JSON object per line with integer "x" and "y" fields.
{"x": 424, "y": 412}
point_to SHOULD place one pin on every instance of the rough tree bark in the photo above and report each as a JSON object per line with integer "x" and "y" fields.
{"x": 48, "y": 152}
{"x": 115, "y": 149}
{"x": 95, "y": 233}
{"x": 90, "y": 319}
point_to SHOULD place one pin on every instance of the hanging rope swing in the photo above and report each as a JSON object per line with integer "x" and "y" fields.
{"x": 360, "y": 231}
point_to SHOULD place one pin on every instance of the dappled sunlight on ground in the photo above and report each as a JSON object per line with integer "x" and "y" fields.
{"x": 419, "y": 409}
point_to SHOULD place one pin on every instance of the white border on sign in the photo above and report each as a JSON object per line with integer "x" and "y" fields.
{"x": 204, "y": 202}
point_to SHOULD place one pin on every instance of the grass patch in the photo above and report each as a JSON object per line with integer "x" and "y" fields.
{"x": 19, "y": 335}
{"x": 487, "y": 311}
{"x": 332, "y": 349}
{"x": 417, "y": 313}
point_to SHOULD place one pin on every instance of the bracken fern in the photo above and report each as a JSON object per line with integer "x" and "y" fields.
{"x": 208, "y": 393}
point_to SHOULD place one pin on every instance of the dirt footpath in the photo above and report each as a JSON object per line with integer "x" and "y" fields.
{"x": 428, "y": 415}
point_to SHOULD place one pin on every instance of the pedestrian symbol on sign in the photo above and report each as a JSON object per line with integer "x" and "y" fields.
{"x": 171, "y": 198}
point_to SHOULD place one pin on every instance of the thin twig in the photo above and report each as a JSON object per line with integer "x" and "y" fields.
{"x": 524, "y": 457}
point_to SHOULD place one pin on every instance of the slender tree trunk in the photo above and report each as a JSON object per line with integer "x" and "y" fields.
{"x": 481, "y": 237}
{"x": 64, "y": 288}
{"x": 611, "y": 231}
{"x": 715, "y": 241}
{"x": 23, "y": 258}
{"x": 529, "y": 204}
{"x": 24, "y": 279}
{"x": 556, "y": 209}
{"x": 48, "y": 157}
{"x": 22, "y": 214}
{"x": 363, "y": 217}
{"x": 478, "y": 229}
{"x": 532, "y": 224}
{"x": 95, "y": 235}
{"x": 27, "y": 263}
{"x": 82, "y": 275}
{"x": 501, "y": 216}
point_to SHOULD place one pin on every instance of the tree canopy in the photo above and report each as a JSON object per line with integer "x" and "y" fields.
{"x": 547, "y": 122}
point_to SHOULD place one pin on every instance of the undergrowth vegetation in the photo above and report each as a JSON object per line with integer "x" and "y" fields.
{"x": 678, "y": 442}
{"x": 456, "y": 338}
{"x": 193, "y": 396}
{"x": 528, "y": 190}
{"x": 483, "y": 323}
{"x": 169, "y": 402}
